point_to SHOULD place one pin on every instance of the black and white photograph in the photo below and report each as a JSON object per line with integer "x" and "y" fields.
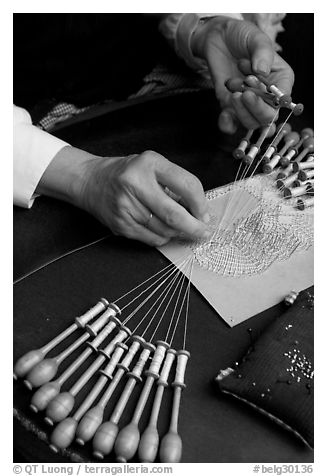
{"x": 163, "y": 241}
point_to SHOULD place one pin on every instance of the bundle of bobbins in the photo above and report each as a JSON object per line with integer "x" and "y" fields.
{"x": 289, "y": 154}
{"x": 125, "y": 355}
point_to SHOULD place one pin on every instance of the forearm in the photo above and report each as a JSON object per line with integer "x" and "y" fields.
{"x": 66, "y": 175}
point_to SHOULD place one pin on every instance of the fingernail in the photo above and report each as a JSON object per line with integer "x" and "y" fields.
{"x": 263, "y": 67}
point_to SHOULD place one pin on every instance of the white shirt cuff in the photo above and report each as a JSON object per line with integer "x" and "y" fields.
{"x": 33, "y": 151}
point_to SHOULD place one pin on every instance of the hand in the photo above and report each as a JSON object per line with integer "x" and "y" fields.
{"x": 234, "y": 48}
{"x": 128, "y": 194}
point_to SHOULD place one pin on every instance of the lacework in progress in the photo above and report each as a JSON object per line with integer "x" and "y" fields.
{"x": 252, "y": 227}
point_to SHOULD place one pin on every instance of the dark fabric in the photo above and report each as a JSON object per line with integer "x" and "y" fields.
{"x": 213, "y": 429}
{"x": 276, "y": 374}
{"x": 81, "y": 58}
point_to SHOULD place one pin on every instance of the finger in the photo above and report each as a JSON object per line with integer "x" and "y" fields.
{"x": 282, "y": 75}
{"x": 227, "y": 121}
{"x": 261, "y": 51}
{"x": 261, "y": 111}
{"x": 133, "y": 209}
{"x": 244, "y": 116}
{"x": 245, "y": 67}
{"x": 171, "y": 213}
{"x": 253, "y": 82}
{"x": 221, "y": 69}
{"x": 234, "y": 84}
{"x": 128, "y": 227}
{"x": 160, "y": 228}
{"x": 184, "y": 184}
{"x": 141, "y": 233}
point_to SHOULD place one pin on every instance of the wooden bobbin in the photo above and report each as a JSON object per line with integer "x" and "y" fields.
{"x": 297, "y": 191}
{"x": 268, "y": 167}
{"x": 25, "y": 363}
{"x": 149, "y": 442}
{"x": 60, "y": 407}
{"x": 303, "y": 203}
{"x": 308, "y": 147}
{"x": 290, "y": 148}
{"x": 48, "y": 391}
{"x": 287, "y": 182}
{"x": 306, "y": 174}
{"x": 102, "y": 305}
{"x": 308, "y": 164}
{"x": 289, "y": 140}
{"x": 171, "y": 444}
{"x": 94, "y": 417}
{"x": 109, "y": 315}
{"x": 282, "y": 174}
{"x": 290, "y": 298}
{"x": 281, "y": 132}
{"x": 300, "y": 183}
{"x": 105, "y": 436}
{"x": 297, "y": 109}
{"x": 128, "y": 438}
{"x": 283, "y": 100}
{"x": 64, "y": 433}
{"x": 255, "y": 149}
{"x": 237, "y": 85}
{"x": 239, "y": 153}
{"x": 305, "y": 134}
{"x": 45, "y": 370}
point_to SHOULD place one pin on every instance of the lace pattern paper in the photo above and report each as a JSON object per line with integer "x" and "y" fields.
{"x": 261, "y": 248}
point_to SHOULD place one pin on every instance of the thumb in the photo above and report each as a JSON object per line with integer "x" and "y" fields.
{"x": 261, "y": 51}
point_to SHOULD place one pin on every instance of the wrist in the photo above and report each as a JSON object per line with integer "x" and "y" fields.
{"x": 67, "y": 174}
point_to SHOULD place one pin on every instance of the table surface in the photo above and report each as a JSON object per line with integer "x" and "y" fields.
{"x": 214, "y": 427}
